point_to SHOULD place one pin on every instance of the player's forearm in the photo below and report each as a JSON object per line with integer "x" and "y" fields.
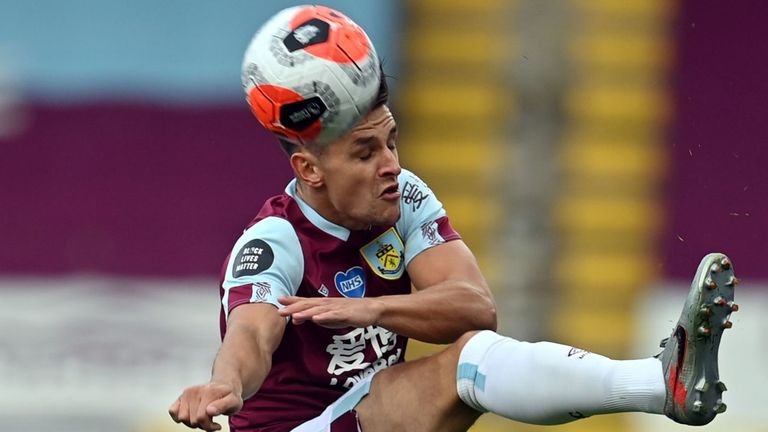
{"x": 242, "y": 362}
{"x": 439, "y": 314}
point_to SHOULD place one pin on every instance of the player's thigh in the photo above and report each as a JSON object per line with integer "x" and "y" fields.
{"x": 419, "y": 395}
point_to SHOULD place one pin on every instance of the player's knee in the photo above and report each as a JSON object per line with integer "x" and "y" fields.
{"x": 451, "y": 355}
{"x": 465, "y": 338}
{"x": 470, "y": 376}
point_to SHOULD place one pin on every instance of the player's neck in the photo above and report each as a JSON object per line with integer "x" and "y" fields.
{"x": 319, "y": 201}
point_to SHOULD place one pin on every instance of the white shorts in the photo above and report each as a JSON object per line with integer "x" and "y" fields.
{"x": 340, "y": 416}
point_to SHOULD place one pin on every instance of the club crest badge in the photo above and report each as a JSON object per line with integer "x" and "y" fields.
{"x": 351, "y": 283}
{"x": 385, "y": 255}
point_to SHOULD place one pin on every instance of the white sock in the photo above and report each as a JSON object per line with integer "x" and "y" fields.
{"x": 547, "y": 383}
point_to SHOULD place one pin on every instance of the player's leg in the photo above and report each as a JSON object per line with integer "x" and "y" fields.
{"x": 548, "y": 383}
{"x": 415, "y": 396}
{"x": 541, "y": 383}
{"x": 418, "y": 396}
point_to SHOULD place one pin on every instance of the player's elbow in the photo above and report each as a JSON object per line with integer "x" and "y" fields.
{"x": 487, "y": 315}
{"x": 483, "y": 315}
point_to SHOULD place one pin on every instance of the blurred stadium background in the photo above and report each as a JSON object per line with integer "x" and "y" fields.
{"x": 590, "y": 152}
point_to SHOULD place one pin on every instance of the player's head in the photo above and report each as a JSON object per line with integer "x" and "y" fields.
{"x": 382, "y": 98}
{"x": 354, "y": 178}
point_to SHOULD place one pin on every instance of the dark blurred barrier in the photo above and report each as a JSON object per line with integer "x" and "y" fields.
{"x": 718, "y": 176}
{"x": 132, "y": 189}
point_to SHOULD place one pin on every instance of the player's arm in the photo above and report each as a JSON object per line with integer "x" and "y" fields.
{"x": 265, "y": 263}
{"x": 451, "y": 298}
{"x": 253, "y": 333}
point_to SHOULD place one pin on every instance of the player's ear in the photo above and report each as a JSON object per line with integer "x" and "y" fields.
{"x": 306, "y": 169}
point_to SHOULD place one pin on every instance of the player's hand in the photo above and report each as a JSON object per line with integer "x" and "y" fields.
{"x": 198, "y": 405}
{"x": 332, "y": 312}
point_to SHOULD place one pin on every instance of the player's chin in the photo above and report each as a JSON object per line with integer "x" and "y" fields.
{"x": 387, "y": 215}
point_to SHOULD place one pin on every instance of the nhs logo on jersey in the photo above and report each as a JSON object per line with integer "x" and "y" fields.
{"x": 351, "y": 283}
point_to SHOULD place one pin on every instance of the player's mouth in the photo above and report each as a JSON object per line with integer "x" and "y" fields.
{"x": 391, "y": 193}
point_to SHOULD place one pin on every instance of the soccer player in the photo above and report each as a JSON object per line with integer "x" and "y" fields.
{"x": 317, "y": 309}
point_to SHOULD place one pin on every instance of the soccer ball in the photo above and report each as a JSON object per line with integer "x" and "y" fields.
{"x": 310, "y": 74}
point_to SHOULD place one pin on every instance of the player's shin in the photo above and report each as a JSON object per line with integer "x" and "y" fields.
{"x": 547, "y": 383}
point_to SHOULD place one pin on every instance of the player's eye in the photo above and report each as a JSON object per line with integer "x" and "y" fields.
{"x": 366, "y": 156}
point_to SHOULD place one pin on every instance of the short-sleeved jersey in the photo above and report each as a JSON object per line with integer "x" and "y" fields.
{"x": 289, "y": 249}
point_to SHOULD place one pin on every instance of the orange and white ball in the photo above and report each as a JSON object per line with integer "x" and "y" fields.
{"x": 310, "y": 74}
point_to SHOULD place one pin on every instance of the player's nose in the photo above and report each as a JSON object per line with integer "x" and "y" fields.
{"x": 390, "y": 165}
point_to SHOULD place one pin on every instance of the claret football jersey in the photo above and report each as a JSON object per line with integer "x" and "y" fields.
{"x": 289, "y": 249}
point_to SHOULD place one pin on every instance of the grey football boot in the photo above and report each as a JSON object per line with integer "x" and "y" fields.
{"x": 689, "y": 359}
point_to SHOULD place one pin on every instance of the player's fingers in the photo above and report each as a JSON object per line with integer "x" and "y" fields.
{"x": 296, "y": 307}
{"x": 206, "y": 424}
{"x": 289, "y": 300}
{"x": 205, "y": 421}
{"x": 173, "y": 411}
{"x": 183, "y": 413}
{"x": 308, "y": 314}
{"x": 331, "y": 319}
{"x": 228, "y": 405}
{"x": 212, "y": 426}
{"x": 327, "y": 315}
{"x": 292, "y": 309}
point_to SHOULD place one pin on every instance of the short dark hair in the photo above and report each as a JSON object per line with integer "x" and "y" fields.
{"x": 382, "y": 97}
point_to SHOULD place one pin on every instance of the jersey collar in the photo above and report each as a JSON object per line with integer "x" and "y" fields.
{"x": 322, "y": 223}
